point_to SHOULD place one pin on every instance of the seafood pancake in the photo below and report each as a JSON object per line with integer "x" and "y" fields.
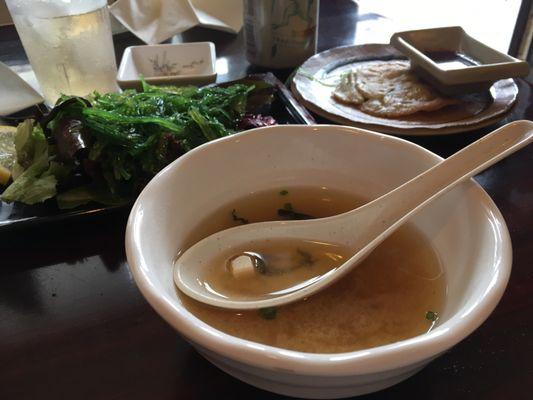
{"x": 388, "y": 89}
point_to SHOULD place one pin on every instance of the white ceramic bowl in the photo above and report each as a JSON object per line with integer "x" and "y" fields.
{"x": 465, "y": 227}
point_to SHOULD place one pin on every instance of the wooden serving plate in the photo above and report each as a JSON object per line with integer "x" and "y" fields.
{"x": 315, "y": 80}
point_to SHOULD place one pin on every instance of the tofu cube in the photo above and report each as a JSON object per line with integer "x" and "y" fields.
{"x": 242, "y": 266}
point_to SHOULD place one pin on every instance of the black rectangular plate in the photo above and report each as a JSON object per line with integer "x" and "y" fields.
{"x": 284, "y": 108}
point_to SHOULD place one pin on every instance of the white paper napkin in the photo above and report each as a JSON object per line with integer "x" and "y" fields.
{"x": 154, "y": 21}
{"x": 15, "y": 93}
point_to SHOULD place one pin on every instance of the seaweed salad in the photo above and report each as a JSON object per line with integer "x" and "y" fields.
{"x": 106, "y": 147}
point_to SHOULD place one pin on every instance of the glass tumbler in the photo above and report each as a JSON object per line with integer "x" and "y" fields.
{"x": 69, "y": 45}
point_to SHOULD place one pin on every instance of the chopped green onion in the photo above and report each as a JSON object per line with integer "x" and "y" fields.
{"x": 236, "y": 218}
{"x": 432, "y": 316}
{"x": 268, "y": 313}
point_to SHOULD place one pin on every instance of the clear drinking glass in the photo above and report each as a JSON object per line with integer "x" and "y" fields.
{"x": 68, "y": 43}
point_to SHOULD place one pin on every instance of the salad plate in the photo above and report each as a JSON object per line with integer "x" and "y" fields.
{"x": 282, "y": 107}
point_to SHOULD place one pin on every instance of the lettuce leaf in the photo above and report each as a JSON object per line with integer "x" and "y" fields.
{"x": 30, "y": 143}
{"x": 35, "y": 180}
{"x": 34, "y": 185}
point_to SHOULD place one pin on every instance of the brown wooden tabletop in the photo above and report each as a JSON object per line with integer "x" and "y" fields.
{"x": 74, "y": 325}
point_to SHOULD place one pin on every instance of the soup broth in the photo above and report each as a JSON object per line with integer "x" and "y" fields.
{"x": 395, "y": 294}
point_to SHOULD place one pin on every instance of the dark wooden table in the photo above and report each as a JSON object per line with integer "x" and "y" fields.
{"x": 74, "y": 325}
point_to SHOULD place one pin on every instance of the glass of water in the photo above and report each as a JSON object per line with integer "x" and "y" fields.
{"x": 69, "y": 45}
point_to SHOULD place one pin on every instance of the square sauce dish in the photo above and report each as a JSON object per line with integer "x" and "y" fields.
{"x": 455, "y": 62}
{"x": 168, "y": 64}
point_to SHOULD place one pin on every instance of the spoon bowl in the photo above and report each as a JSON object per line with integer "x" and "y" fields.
{"x": 361, "y": 229}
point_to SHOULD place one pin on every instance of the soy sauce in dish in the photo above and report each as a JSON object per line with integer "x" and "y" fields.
{"x": 450, "y": 60}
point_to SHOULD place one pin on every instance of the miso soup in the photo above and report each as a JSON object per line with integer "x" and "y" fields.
{"x": 395, "y": 294}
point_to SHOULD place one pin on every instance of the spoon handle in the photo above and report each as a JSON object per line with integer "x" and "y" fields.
{"x": 392, "y": 209}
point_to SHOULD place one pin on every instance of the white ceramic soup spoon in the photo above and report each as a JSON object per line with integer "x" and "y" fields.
{"x": 361, "y": 230}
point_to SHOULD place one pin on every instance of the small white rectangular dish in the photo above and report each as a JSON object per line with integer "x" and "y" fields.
{"x": 168, "y": 64}
{"x": 455, "y": 62}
